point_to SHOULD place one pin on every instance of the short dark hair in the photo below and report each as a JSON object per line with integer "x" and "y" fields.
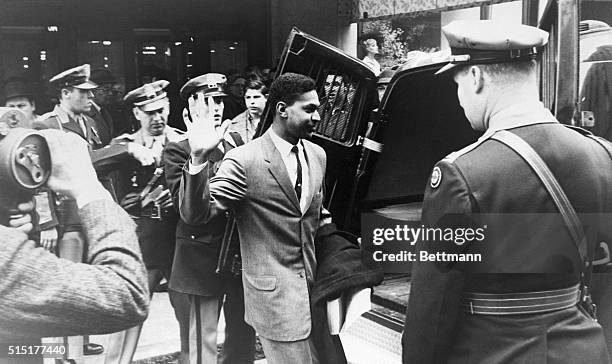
{"x": 58, "y": 91}
{"x": 288, "y": 87}
{"x": 504, "y": 72}
{"x": 256, "y": 84}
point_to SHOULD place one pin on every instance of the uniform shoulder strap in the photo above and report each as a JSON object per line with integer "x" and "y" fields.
{"x": 603, "y": 142}
{"x": 237, "y": 138}
{"x": 565, "y": 207}
{"x": 568, "y": 213}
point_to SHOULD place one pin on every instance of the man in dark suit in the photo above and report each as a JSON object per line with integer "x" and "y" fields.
{"x": 197, "y": 249}
{"x": 520, "y": 303}
{"x": 102, "y": 98}
{"x": 274, "y": 185}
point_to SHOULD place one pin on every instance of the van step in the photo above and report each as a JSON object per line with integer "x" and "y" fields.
{"x": 374, "y": 338}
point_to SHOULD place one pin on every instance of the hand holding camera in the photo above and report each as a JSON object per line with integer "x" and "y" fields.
{"x": 21, "y": 219}
{"x": 72, "y": 173}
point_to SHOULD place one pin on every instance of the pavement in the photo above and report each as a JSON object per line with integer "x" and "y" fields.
{"x": 160, "y": 336}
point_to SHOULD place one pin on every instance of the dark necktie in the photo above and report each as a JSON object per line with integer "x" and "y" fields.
{"x": 298, "y": 180}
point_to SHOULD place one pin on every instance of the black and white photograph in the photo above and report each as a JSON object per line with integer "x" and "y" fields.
{"x": 305, "y": 181}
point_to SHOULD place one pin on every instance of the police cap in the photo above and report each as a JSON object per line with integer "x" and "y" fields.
{"x": 77, "y": 77}
{"x": 210, "y": 84}
{"x": 489, "y": 41}
{"x": 149, "y": 97}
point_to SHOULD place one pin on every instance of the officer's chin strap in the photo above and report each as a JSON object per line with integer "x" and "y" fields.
{"x": 565, "y": 208}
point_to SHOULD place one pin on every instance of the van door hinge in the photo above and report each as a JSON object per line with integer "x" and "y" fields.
{"x": 587, "y": 119}
{"x": 370, "y": 144}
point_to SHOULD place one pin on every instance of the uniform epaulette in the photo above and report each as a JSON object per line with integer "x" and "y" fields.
{"x": 175, "y": 135}
{"x": 178, "y": 131}
{"x": 578, "y": 129}
{"x": 48, "y": 115}
{"x": 456, "y": 154}
{"x": 124, "y": 137}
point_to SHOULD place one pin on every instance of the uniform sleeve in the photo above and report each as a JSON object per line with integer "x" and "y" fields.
{"x": 175, "y": 157}
{"x": 50, "y": 123}
{"x": 201, "y": 198}
{"x": 110, "y": 157}
{"x": 435, "y": 292}
{"x": 42, "y": 295}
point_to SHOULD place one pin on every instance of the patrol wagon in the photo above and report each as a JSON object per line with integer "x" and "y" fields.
{"x": 381, "y": 152}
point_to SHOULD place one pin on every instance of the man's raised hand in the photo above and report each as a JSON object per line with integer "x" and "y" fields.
{"x": 203, "y": 131}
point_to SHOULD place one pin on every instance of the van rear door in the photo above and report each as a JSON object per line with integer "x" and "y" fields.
{"x": 346, "y": 88}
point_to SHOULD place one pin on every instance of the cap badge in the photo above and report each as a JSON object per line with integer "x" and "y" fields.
{"x": 436, "y": 177}
{"x": 149, "y": 91}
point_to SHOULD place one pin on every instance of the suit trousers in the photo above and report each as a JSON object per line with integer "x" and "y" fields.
{"x": 239, "y": 344}
{"x": 294, "y": 352}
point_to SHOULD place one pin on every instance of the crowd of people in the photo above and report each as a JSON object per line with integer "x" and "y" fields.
{"x": 226, "y": 188}
{"x": 153, "y": 172}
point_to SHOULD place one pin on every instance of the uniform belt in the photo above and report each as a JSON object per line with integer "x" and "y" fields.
{"x": 152, "y": 210}
{"x": 520, "y": 303}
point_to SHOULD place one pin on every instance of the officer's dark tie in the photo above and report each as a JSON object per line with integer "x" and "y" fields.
{"x": 298, "y": 180}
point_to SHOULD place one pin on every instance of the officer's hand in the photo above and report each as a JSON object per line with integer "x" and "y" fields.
{"x": 164, "y": 200}
{"x": 72, "y": 173}
{"x": 48, "y": 239}
{"x": 131, "y": 203}
{"x": 203, "y": 131}
{"x": 125, "y": 137}
{"x": 144, "y": 155}
{"x": 21, "y": 219}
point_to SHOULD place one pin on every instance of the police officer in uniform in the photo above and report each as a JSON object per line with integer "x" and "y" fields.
{"x": 74, "y": 93}
{"x": 198, "y": 248}
{"x": 146, "y": 198}
{"x": 524, "y": 302}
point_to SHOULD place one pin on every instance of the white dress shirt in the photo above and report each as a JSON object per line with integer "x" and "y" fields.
{"x": 284, "y": 148}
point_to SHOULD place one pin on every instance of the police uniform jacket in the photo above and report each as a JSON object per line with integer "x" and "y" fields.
{"x": 104, "y": 157}
{"x": 489, "y": 177}
{"x": 156, "y": 236}
{"x": 197, "y": 245}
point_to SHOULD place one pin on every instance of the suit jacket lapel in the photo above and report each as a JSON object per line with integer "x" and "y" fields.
{"x": 278, "y": 169}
